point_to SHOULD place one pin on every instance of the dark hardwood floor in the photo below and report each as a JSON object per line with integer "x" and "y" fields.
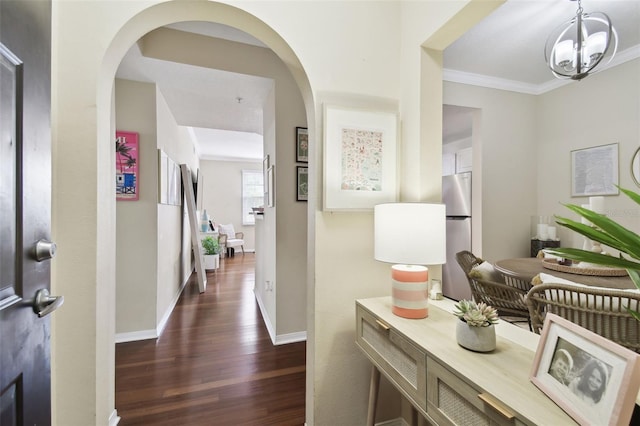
{"x": 214, "y": 363}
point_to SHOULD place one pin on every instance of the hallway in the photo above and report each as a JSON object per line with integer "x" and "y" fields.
{"x": 214, "y": 363}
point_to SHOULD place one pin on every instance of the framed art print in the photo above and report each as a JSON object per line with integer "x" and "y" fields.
{"x": 594, "y": 171}
{"x": 591, "y": 378}
{"x": 360, "y": 158}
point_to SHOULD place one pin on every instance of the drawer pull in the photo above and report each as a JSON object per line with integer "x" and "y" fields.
{"x": 488, "y": 399}
{"x": 382, "y": 325}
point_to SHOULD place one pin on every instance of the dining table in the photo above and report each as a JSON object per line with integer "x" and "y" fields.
{"x": 526, "y": 268}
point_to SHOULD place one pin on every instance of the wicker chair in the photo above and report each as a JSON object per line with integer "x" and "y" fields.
{"x": 508, "y": 297}
{"x": 467, "y": 261}
{"x": 509, "y": 301}
{"x": 601, "y": 310}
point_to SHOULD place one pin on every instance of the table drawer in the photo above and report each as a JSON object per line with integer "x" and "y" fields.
{"x": 452, "y": 401}
{"x": 398, "y": 358}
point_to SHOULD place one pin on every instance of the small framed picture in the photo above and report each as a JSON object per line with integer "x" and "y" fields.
{"x": 302, "y": 145}
{"x": 302, "y": 183}
{"x": 591, "y": 378}
{"x": 594, "y": 171}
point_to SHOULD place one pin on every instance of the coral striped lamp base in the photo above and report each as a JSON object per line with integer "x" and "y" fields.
{"x": 409, "y": 291}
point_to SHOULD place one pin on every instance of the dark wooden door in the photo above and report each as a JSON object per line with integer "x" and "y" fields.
{"x": 25, "y": 211}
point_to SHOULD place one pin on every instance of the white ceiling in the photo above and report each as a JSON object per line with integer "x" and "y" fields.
{"x": 505, "y": 51}
{"x": 222, "y": 110}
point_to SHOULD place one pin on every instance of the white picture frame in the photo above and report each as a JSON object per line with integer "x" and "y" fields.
{"x": 360, "y": 158}
{"x": 586, "y": 353}
{"x": 594, "y": 171}
{"x": 271, "y": 196}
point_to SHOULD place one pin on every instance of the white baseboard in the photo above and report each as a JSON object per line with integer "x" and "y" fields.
{"x": 134, "y": 336}
{"x": 283, "y": 339}
{"x": 394, "y": 422}
{"x": 165, "y": 318}
{"x": 113, "y": 418}
{"x": 266, "y": 319}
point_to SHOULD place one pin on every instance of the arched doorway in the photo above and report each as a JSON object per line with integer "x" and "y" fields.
{"x": 90, "y": 377}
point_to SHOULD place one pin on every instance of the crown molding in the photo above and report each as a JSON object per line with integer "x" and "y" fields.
{"x": 205, "y": 157}
{"x": 462, "y": 77}
{"x": 480, "y": 80}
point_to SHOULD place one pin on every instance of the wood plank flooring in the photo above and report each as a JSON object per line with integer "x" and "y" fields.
{"x": 214, "y": 364}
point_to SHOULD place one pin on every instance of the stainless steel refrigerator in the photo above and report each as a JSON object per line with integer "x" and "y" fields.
{"x": 456, "y": 195}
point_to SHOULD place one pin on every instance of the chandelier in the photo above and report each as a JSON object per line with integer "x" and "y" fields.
{"x": 577, "y": 46}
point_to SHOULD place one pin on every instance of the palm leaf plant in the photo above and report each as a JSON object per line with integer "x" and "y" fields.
{"x": 607, "y": 232}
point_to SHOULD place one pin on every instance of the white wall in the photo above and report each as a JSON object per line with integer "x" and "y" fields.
{"x": 267, "y": 253}
{"x": 505, "y": 147}
{"x": 349, "y": 48}
{"x": 222, "y": 194}
{"x": 603, "y": 108}
{"x": 526, "y": 144}
{"x": 173, "y": 232}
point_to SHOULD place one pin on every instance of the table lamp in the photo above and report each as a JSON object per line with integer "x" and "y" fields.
{"x": 410, "y": 235}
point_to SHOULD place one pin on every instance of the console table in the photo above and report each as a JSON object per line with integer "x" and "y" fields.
{"x": 445, "y": 383}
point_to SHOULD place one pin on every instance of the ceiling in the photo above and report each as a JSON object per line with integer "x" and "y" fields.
{"x": 504, "y": 51}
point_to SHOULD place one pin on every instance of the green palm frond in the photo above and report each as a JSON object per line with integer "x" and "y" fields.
{"x": 605, "y": 231}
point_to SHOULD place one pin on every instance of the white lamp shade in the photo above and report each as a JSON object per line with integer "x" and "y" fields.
{"x": 410, "y": 233}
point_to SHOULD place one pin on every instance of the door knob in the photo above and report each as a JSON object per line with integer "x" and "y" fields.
{"x": 45, "y": 250}
{"x": 45, "y": 303}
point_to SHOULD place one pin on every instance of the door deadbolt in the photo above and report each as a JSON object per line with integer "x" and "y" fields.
{"x": 45, "y": 250}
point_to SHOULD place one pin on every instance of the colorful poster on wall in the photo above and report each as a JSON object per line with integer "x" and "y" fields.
{"x": 127, "y": 156}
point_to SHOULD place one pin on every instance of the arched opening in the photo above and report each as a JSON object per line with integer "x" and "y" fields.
{"x": 101, "y": 222}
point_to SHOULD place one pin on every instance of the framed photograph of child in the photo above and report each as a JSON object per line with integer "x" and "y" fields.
{"x": 591, "y": 378}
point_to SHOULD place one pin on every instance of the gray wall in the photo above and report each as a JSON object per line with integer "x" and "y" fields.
{"x": 153, "y": 253}
{"x": 136, "y": 221}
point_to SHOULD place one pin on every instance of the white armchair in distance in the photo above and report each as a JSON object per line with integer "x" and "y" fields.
{"x": 230, "y": 239}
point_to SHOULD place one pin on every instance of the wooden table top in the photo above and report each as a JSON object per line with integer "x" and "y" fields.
{"x": 528, "y": 267}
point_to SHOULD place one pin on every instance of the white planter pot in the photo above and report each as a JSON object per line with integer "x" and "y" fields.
{"x": 478, "y": 339}
{"x": 211, "y": 261}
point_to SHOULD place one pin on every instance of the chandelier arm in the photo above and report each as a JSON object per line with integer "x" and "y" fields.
{"x": 579, "y": 37}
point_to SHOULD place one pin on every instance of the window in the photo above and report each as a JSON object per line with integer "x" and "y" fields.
{"x": 252, "y": 194}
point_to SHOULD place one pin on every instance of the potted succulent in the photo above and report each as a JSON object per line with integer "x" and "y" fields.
{"x": 608, "y": 233}
{"x": 475, "y": 330}
{"x": 211, "y": 252}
